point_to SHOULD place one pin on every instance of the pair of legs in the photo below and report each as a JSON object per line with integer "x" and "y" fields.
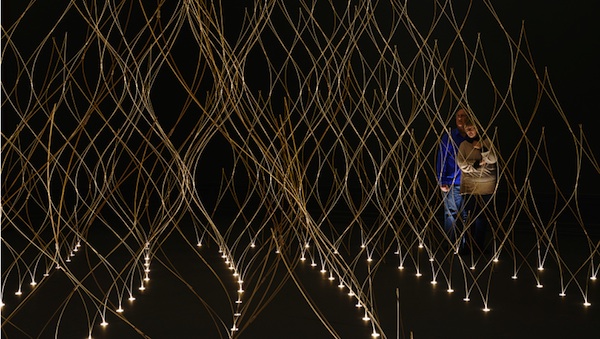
{"x": 454, "y": 215}
{"x": 476, "y": 220}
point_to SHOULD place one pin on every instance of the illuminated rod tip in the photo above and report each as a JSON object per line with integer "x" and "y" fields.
{"x": 306, "y": 246}
{"x": 234, "y": 329}
{"x": 237, "y": 314}
{"x": 240, "y": 291}
{"x": 350, "y": 293}
{"x": 341, "y": 286}
{"x": 147, "y": 270}
{"x": 18, "y": 292}
{"x": 420, "y": 245}
{"x": 486, "y": 309}
{"x": 33, "y": 283}
{"x": 331, "y": 277}
{"x": 365, "y": 318}
{"x": 431, "y": 259}
{"x": 199, "y": 244}
{"x": 323, "y": 271}
{"x": 467, "y": 299}
{"x": 418, "y": 274}
{"x": 235, "y": 274}
{"x": 472, "y": 268}
{"x": 231, "y": 268}
{"x": 374, "y": 334}
{"x": 131, "y": 298}
{"x": 68, "y": 260}
{"x": 400, "y": 267}
{"x": 120, "y": 310}
{"x": 277, "y": 251}
{"x": 46, "y": 274}
{"x": 252, "y": 245}
{"x": 587, "y": 304}
{"x": 240, "y": 281}
{"x": 104, "y": 324}
{"x": 450, "y": 290}
{"x": 433, "y": 282}
{"x": 1, "y": 304}
{"x": 539, "y": 286}
{"x": 358, "y": 305}
{"x": 540, "y": 268}
{"x": 336, "y": 252}
{"x": 496, "y": 260}
{"x": 238, "y": 301}
{"x": 142, "y": 288}
{"x": 396, "y": 252}
{"x": 363, "y": 246}
{"x": 313, "y": 264}
{"x": 593, "y": 277}
{"x": 147, "y": 279}
{"x": 562, "y": 294}
{"x": 514, "y": 277}
{"x": 369, "y": 259}
{"x": 303, "y": 258}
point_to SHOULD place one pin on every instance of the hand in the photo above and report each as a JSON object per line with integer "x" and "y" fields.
{"x": 445, "y": 188}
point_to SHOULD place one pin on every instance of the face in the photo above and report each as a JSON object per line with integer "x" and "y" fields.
{"x": 461, "y": 116}
{"x": 471, "y": 131}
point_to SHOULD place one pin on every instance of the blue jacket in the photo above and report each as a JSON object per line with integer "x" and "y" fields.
{"x": 447, "y": 170}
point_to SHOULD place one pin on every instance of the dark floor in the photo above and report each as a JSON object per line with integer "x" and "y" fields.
{"x": 185, "y": 299}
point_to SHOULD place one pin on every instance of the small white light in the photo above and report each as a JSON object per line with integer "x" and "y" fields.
{"x": 400, "y": 267}
{"x": 120, "y": 310}
{"x": 237, "y": 314}
{"x": 514, "y": 277}
{"x": 433, "y": 282}
{"x": 587, "y": 304}
{"x": 486, "y": 309}
{"x": 539, "y": 285}
{"x": 33, "y": 283}
{"x": 303, "y": 258}
{"x": 562, "y": 294}
{"x": 369, "y": 259}
{"x": 238, "y": 301}
{"x": 374, "y": 334}
{"x": 365, "y": 318}
{"x": 540, "y": 268}
{"x": 131, "y": 298}
{"x": 142, "y": 288}
{"x": 313, "y": 264}
{"x": 418, "y": 274}
{"x": 323, "y": 270}
{"x": 593, "y": 277}
{"x": 104, "y": 324}
{"x": 466, "y": 299}
{"x": 199, "y": 244}
{"x": 18, "y": 292}
{"x": 431, "y": 259}
{"x": 350, "y": 293}
{"x": 450, "y": 290}
{"x": 331, "y": 277}
{"x": 252, "y": 245}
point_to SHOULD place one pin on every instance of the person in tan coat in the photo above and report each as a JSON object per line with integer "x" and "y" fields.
{"x": 477, "y": 160}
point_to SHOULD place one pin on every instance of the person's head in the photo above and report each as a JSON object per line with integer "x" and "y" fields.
{"x": 470, "y": 128}
{"x": 461, "y": 117}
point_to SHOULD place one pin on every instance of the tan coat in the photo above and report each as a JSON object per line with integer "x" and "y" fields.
{"x": 476, "y": 179}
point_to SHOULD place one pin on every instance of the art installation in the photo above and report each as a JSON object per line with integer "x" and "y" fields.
{"x": 235, "y": 146}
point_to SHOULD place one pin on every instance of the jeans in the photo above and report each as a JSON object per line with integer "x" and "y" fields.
{"x": 476, "y": 221}
{"x": 453, "y": 206}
